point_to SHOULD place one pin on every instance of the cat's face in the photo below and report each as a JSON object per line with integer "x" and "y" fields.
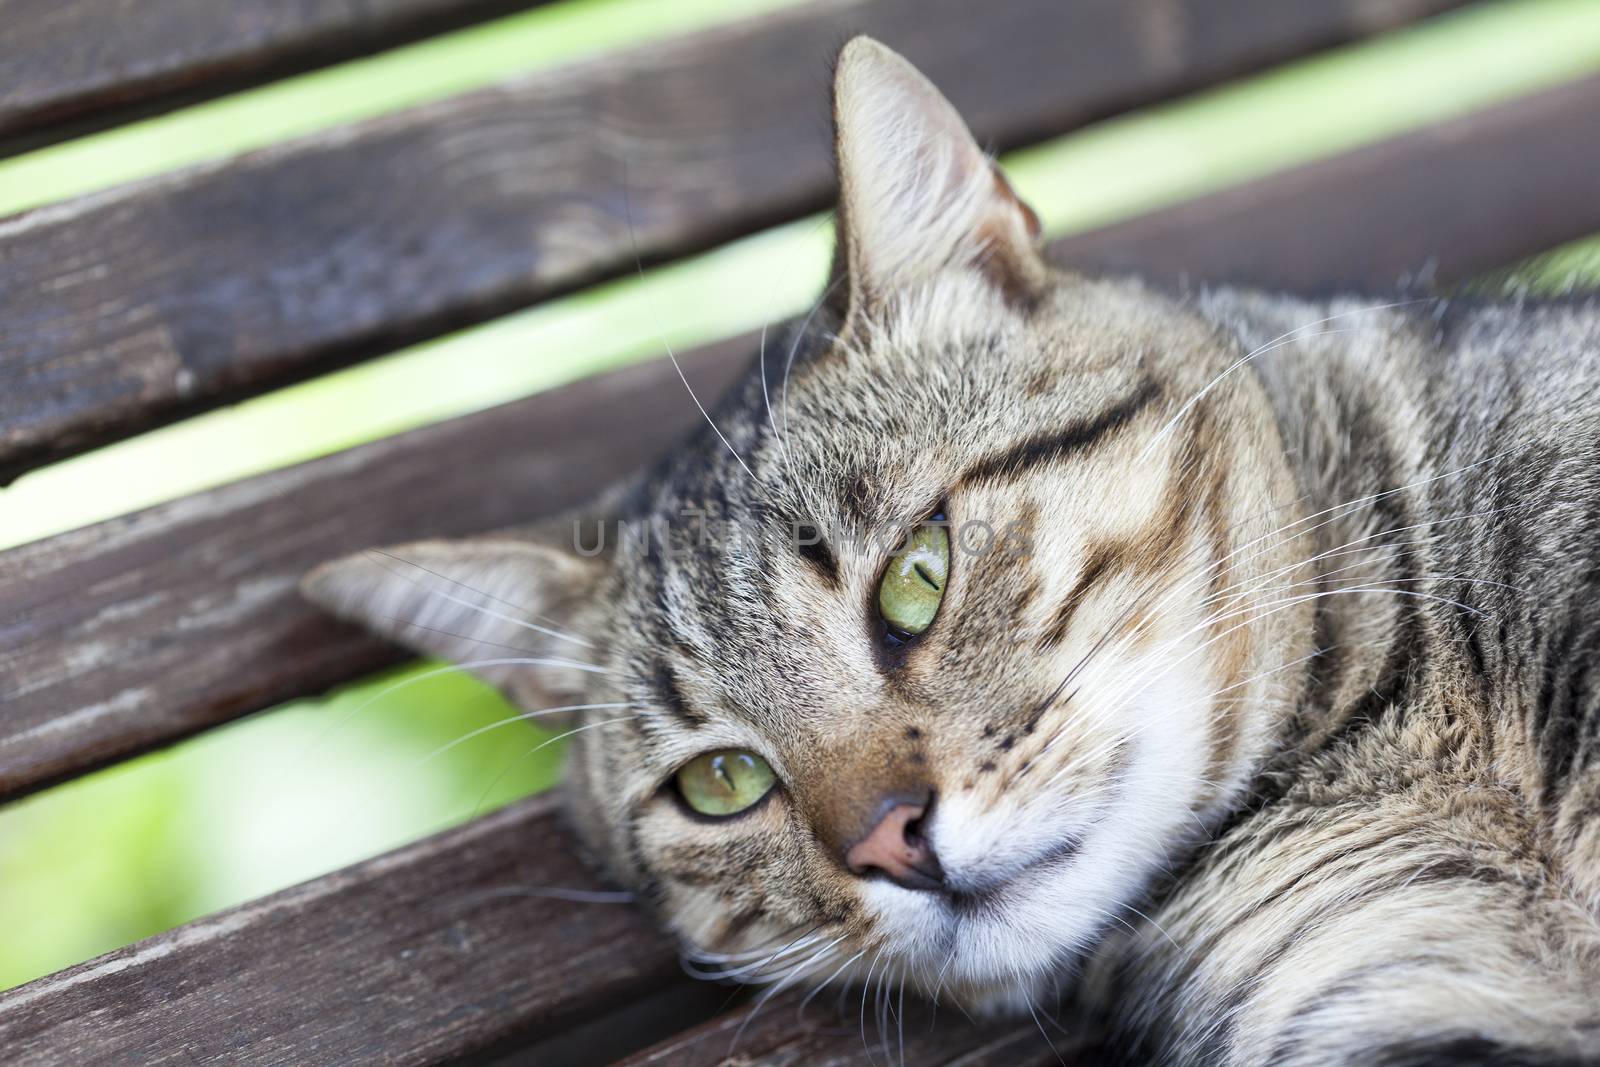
{"x": 818, "y": 755}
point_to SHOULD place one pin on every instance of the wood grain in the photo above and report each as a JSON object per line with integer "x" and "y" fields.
{"x": 134, "y": 633}
{"x": 778, "y": 1035}
{"x": 66, "y": 59}
{"x": 423, "y": 955}
{"x": 136, "y": 306}
{"x": 1433, "y": 208}
{"x": 138, "y": 631}
{"x": 439, "y": 951}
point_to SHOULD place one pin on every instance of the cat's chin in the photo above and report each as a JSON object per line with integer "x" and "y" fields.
{"x": 1019, "y": 950}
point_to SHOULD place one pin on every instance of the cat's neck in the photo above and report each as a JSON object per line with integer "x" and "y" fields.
{"x": 1350, "y": 443}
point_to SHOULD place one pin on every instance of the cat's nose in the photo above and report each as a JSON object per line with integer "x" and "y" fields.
{"x": 897, "y": 847}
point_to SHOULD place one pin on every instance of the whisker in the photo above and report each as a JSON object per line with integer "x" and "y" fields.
{"x": 528, "y": 661}
{"x": 1044, "y": 1034}
{"x": 523, "y": 717}
{"x": 1161, "y": 929}
{"x": 707, "y": 956}
{"x": 638, "y": 262}
{"x": 865, "y": 986}
{"x": 709, "y": 421}
{"x": 900, "y": 1019}
{"x": 753, "y": 971}
{"x": 794, "y": 347}
{"x": 1272, "y": 345}
{"x": 825, "y": 982}
{"x": 773, "y": 991}
{"x": 482, "y": 609}
{"x": 451, "y": 668}
{"x": 540, "y": 746}
{"x": 943, "y": 973}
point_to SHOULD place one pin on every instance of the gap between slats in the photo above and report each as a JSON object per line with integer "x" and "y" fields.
{"x": 70, "y": 72}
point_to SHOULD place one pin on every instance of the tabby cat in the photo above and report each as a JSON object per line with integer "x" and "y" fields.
{"x": 1223, "y": 656}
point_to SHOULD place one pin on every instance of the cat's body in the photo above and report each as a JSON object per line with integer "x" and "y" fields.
{"x": 1282, "y": 629}
{"x": 1420, "y": 882}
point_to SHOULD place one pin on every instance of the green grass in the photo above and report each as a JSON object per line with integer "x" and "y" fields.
{"x": 305, "y": 788}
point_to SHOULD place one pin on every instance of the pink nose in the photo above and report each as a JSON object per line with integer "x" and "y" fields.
{"x": 897, "y": 847}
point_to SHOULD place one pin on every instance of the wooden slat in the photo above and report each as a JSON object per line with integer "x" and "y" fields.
{"x": 67, "y": 58}
{"x": 443, "y": 950}
{"x": 353, "y": 969}
{"x": 135, "y": 632}
{"x": 186, "y": 615}
{"x": 823, "y": 1037}
{"x": 1436, "y": 207}
{"x": 425, "y": 954}
{"x": 135, "y": 306}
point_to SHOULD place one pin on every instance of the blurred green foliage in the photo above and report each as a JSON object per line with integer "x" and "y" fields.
{"x": 295, "y": 792}
{"x": 253, "y": 807}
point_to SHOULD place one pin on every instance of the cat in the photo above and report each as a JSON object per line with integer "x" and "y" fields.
{"x": 1223, "y": 656}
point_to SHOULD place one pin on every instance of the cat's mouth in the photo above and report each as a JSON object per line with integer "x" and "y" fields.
{"x": 970, "y": 899}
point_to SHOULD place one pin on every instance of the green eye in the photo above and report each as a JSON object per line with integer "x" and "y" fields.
{"x": 725, "y": 782}
{"x": 913, "y": 586}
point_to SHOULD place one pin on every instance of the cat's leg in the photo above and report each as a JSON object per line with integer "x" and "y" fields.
{"x": 1418, "y": 925}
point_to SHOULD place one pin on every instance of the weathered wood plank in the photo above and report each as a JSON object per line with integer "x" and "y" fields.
{"x": 440, "y": 950}
{"x": 138, "y": 305}
{"x": 132, "y": 633}
{"x": 778, "y": 1036}
{"x": 62, "y": 62}
{"x": 422, "y": 955}
{"x": 1437, "y": 206}
{"x": 135, "y": 632}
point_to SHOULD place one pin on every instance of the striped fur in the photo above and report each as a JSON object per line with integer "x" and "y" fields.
{"x": 1418, "y": 881}
{"x": 1265, "y": 711}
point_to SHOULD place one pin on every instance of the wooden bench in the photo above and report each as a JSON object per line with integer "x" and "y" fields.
{"x": 225, "y": 280}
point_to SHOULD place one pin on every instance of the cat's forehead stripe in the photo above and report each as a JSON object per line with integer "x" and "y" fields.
{"x": 1019, "y": 458}
{"x": 670, "y": 698}
{"x": 814, "y": 549}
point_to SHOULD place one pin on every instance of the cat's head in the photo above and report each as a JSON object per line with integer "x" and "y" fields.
{"x": 948, "y": 639}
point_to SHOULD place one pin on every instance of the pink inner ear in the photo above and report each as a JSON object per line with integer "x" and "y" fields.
{"x": 914, "y": 194}
{"x": 1030, "y": 217}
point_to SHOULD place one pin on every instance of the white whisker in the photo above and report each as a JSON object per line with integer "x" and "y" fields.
{"x": 523, "y": 717}
{"x": 1272, "y": 345}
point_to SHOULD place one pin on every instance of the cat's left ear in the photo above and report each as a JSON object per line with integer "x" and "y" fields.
{"x": 916, "y": 194}
{"x": 511, "y": 608}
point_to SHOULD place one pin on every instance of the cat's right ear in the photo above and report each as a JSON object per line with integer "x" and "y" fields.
{"x": 917, "y": 195}
{"x": 510, "y": 609}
